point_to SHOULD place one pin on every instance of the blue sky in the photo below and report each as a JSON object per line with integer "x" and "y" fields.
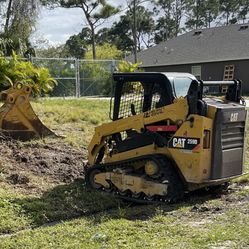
{"x": 58, "y": 24}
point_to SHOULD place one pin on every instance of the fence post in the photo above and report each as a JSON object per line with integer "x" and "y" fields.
{"x": 113, "y": 66}
{"x": 83, "y": 77}
{"x": 77, "y": 78}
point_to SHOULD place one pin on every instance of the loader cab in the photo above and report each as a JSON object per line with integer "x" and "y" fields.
{"x": 140, "y": 92}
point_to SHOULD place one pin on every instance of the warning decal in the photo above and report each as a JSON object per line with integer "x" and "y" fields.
{"x": 184, "y": 143}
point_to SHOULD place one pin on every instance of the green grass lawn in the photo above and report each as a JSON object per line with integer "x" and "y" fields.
{"x": 71, "y": 216}
{"x": 73, "y": 118}
{"x": 117, "y": 225}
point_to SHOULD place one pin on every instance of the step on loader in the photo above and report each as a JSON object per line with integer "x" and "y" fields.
{"x": 167, "y": 138}
{"x": 17, "y": 117}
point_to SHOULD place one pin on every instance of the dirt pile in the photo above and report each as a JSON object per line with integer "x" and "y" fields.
{"x": 55, "y": 159}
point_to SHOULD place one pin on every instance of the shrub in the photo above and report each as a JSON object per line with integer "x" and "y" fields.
{"x": 128, "y": 67}
{"x": 14, "y": 70}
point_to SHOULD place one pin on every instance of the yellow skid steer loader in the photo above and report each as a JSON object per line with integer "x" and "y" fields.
{"x": 167, "y": 138}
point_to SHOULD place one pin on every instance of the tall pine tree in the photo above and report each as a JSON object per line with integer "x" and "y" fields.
{"x": 229, "y": 11}
{"x": 95, "y": 12}
{"x": 169, "y": 22}
{"x": 18, "y": 18}
{"x": 201, "y": 13}
{"x": 243, "y": 10}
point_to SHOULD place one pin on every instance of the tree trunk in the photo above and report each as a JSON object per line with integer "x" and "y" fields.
{"x": 197, "y": 14}
{"x": 6, "y": 26}
{"x": 134, "y": 32}
{"x": 93, "y": 43}
{"x": 209, "y": 19}
{"x": 91, "y": 24}
{"x": 177, "y": 16}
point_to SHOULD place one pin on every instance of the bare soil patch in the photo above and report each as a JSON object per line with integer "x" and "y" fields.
{"x": 54, "y": 159}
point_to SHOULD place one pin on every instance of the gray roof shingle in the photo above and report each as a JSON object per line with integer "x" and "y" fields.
{"x": 214, "y": 44}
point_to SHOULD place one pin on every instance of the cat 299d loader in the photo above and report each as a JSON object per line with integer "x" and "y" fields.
{"x": 166, "y": 138}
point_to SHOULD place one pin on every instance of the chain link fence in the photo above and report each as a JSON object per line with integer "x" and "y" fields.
{"x": 78, "y": 78}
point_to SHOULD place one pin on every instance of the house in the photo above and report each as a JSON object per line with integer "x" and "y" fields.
{"x": 219, "y": 53}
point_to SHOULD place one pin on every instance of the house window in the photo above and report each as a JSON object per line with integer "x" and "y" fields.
{"x": 196, "y": 71}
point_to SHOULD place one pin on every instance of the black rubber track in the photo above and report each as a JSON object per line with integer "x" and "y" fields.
{"x": 167, "y": 171}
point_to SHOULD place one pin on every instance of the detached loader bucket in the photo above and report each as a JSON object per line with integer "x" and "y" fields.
{"x": 17, "y": 117}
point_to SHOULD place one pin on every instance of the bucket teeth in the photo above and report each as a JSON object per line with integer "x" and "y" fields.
{"x": 17, "y": 117}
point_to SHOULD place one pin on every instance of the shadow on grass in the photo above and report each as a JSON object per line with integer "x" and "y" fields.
{"x": 65, "y": 202}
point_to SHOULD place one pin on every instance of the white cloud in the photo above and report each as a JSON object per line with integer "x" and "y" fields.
{"x": 57, "y": 25}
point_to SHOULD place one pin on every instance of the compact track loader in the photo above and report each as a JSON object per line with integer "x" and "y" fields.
{"x": 17, "y": 117}
{"x": 166, "y": 138}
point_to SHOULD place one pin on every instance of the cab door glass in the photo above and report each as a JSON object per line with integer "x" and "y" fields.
{"x": 181, "y": 86}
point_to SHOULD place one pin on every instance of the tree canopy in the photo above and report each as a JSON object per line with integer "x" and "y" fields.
{"x": 18, "y": 18}
{"x": 138, "y": 26}
{"x": 106, "y": 51}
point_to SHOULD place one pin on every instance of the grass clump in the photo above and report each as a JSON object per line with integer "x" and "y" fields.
{"x": 12, "y": 217}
